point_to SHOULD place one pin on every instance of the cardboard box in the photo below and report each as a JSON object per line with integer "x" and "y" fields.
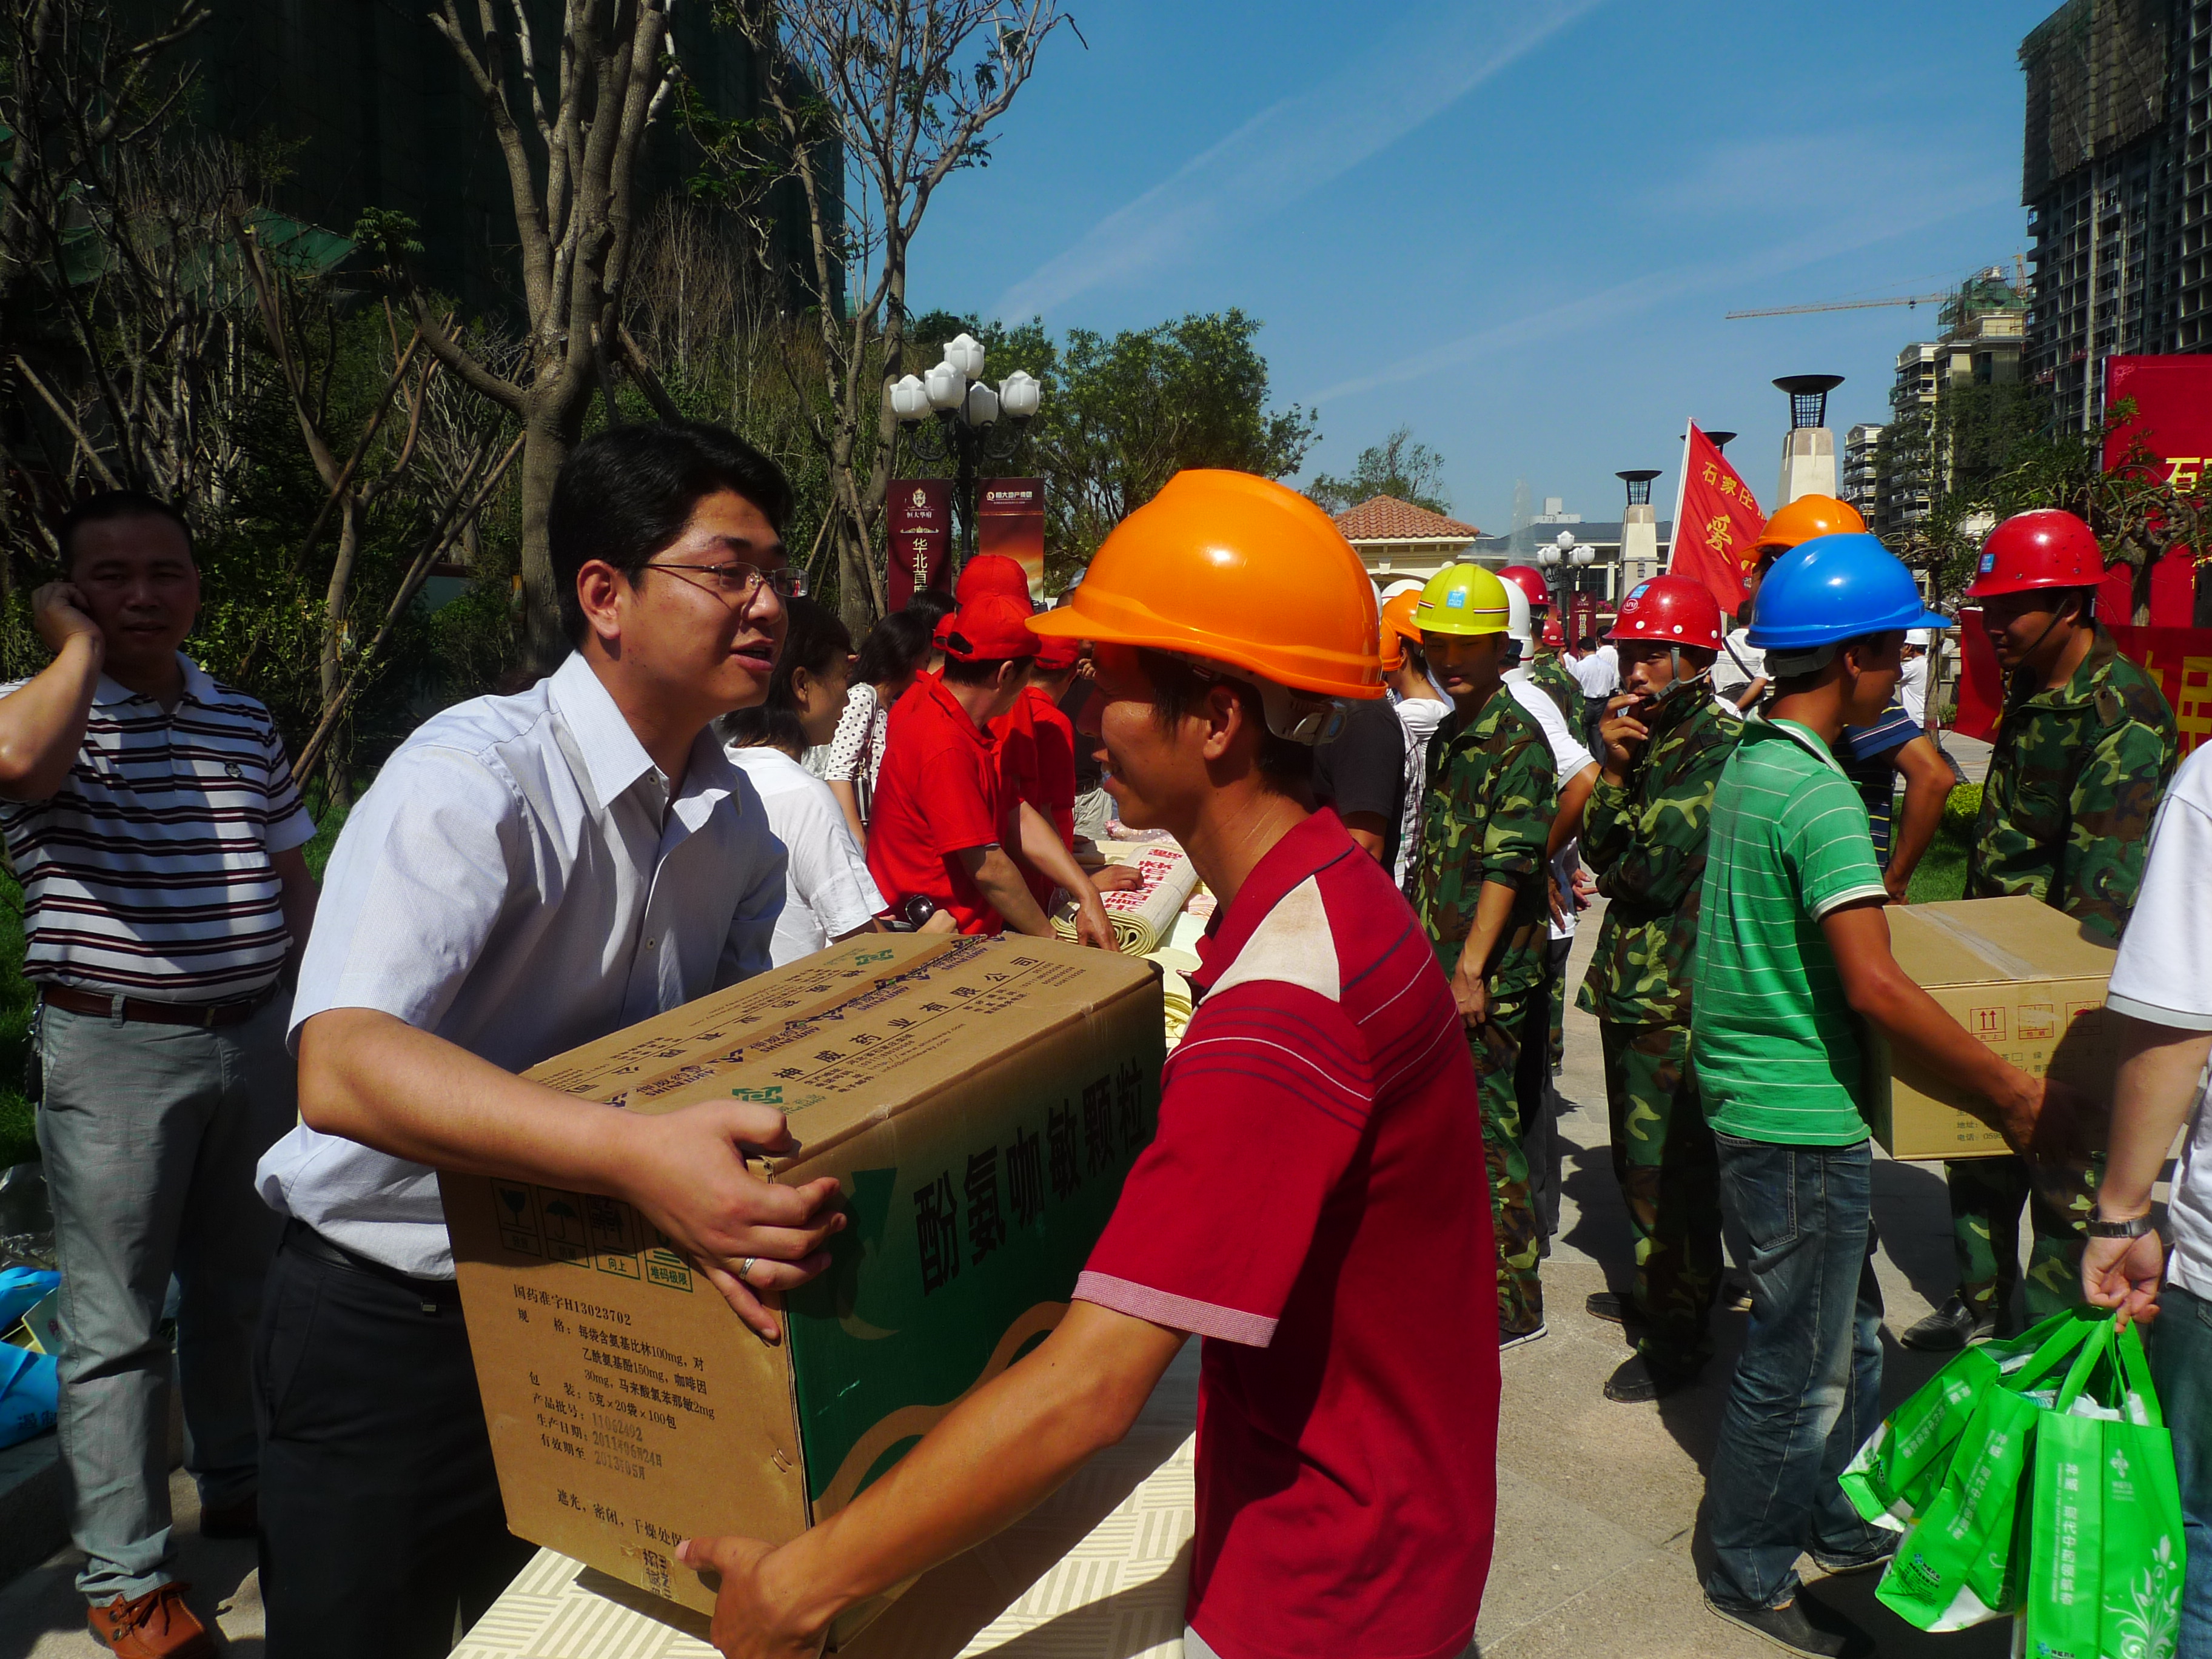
{"x": 980, "y": 1100}
{"x": 2026, "y": 979}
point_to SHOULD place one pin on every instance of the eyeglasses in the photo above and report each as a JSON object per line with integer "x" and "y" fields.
{"x": 741, "y": 581}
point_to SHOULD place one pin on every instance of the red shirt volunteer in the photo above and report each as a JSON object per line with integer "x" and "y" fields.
{"x": 937, "y": 796}
{"x": 1342, "y": 1279}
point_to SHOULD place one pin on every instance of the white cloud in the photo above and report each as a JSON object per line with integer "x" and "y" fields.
{"x": 1653, "y": 289}
{"x": 1298, "y": 144}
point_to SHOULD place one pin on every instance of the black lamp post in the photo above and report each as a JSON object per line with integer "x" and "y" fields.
{"x": 975, "y": 424}
{"x": 1808, "y": 397}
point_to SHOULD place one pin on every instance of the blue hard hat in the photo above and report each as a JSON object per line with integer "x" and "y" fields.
{"x": 1834, "y": 588}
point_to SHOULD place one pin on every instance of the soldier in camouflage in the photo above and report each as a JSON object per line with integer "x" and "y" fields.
{"x": 1549, "y": 673}
{"x": 1666, "y": 740}
{"x": 1479, "y": 889}
{"x": 2084, "y": 749}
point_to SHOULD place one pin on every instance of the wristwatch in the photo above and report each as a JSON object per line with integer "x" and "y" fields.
{"x": 2134, "y": 1227}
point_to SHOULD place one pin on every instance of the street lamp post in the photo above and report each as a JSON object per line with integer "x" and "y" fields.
{"x": 1575, "y": 557}
{"x": 975, "y": 424}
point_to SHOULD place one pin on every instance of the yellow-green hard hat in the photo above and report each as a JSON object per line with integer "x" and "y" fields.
{"x": 1462, "y": 598}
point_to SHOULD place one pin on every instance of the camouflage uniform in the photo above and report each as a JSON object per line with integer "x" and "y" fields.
{"x": 1646, "y": 839}
{"x": 1549, "y": 674}
{"x": 1486, "y": 812}
{"x": 2076, "y": 775}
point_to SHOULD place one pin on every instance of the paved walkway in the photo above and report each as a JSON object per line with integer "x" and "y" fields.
{"x": 1600, "y": 1545}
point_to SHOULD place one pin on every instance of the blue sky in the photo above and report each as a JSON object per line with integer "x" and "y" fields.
{"x": 1513, "y": 225}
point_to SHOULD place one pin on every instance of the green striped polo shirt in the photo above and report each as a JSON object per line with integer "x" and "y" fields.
{"x": 1776, "y": 1046}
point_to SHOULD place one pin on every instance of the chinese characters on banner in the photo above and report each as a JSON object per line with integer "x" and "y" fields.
{"x": 2179, "y": 658}
{"x": 2173, "y": 397}
{"x": 921, "y": 537}
{"x": 1010, "y": 520}
{"x": 1582, "y": 615}
{"x": 1717, "y": 527}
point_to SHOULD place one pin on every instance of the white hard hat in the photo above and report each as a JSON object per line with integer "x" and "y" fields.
{"x": 1516, "y": 617}
{"x": 1919, "y": 636}
{"x": 1403, "y": 585}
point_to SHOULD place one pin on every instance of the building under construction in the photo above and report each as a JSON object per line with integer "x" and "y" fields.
{"x": 2114, "y": 176}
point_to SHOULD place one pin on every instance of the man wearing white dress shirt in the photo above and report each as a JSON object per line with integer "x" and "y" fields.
{"x": 527, "y": 873}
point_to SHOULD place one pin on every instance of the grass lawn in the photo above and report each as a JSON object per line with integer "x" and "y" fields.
{"x": 18, "y": 1138}
{"x": 1942, "y": 871}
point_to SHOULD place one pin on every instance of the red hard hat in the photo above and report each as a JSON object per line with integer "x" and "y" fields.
{"x": 1555, "y": 631}
{"x": 2046, "y": 548}
{"x": 1672, "y": 610}
{"x": 1530, "y": 580}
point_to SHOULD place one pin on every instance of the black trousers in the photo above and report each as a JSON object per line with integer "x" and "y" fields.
{"x": 381, "y": 1524}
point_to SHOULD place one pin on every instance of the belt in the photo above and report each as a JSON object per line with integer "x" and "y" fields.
{"x": 304, "y": 1240}
{"x": 208, "y": 1017}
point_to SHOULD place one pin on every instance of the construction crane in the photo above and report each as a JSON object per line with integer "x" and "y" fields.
{"x": 1842, "y": 305}
{"x": 1989, "y": 274}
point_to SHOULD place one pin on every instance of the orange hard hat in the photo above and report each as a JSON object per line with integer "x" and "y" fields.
{"x": 1398, "y": 627}
{"x": 1234, "y": 570}
{"x": 1808, "y": 516}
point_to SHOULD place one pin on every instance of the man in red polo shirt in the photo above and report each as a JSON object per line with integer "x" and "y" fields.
{"x": 942, "y": 818}
{"x": 1303, "y": 1205}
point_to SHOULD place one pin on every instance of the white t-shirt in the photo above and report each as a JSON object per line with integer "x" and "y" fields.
{"x": 1912, "y": 689}
{"x": 828, "y": 892}
{"x": 2164, "y": 975}
{"x": 1598, "y": 675}
{"x": 1568, "y": 757}
{"x": 1420, "y": 717}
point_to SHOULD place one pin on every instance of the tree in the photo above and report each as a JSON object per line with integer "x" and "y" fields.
{"x": 572, "y": 182}
{"x": 2016, "y": 460}
{"x": 871, "y": 105}
{"x": 1398, "y": 466}
{"x": 1122, "y": 416}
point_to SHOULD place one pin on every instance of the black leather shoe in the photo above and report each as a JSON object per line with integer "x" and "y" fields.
{"x": 1639, "y": 1379}
{"x": 1613, "y": 1306}
{"x": 1949, "y": 1328}
{"x": 1804, "y": 1627}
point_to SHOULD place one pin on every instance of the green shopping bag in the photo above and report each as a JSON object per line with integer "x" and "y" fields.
{"x": 1960, "y": 1564}
{"x": 1892, "y": 1477}
{"x": 2105, "y": 1555}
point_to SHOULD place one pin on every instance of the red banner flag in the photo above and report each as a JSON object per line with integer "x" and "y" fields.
{"x": 1010, "y": 520}
{"x": 1716, "y": 524}
{"x": 920, "y": 541}
{"x": 2179, "y": 658}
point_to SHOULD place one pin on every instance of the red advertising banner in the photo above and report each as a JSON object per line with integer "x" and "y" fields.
{"x": 1716, "y": 523}
{"x": 921, "y": 537}
{"x": 1010, "y": 520}
{"x": 2179, "y": 658}
{"x": 2172, "y": 395}
{"x": 1582, "y": 615}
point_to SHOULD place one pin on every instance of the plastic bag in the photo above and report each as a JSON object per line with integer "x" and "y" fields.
{"x": 2105, "y": 1557}
{"x": 30, "y": 1390}
{"x": 1962, "y": 1562}
{"x": 21, "y": 1290}
{"x": 1893, "y": 1476}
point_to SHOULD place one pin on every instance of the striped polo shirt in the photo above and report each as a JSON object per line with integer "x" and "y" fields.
{"x": 150, "y": 873}
{"x": 1776, "y": 1046}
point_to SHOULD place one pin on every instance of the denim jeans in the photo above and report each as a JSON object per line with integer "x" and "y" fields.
{"x": 2180, "y": 1344}
{"x": 1807, "y": 1391}
{"x": 150, "y": 1133}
